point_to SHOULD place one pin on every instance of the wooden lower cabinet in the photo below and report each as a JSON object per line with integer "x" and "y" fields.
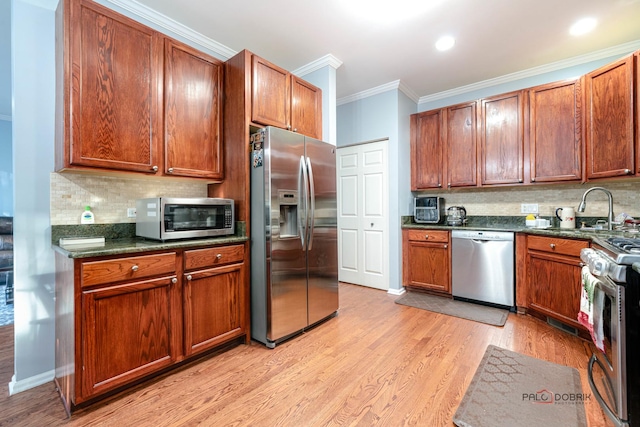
{"x": 213, "y": 298}
{"x": 121, "y": 319}
{"x": 552, "y": 277}
{"x": 426, "y": 261}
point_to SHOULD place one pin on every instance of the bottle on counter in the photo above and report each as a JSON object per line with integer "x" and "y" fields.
{"x": 87, "y": 216}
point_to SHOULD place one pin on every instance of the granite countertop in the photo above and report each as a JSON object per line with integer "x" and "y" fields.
{"x": 516, "y": 224}
{"x": 120, "y": 239}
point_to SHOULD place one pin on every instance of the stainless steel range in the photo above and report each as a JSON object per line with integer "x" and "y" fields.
{"x": 614, "y": 374}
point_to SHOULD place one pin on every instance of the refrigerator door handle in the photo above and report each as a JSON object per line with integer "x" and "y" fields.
{"x": 312, "y": 198}
{"x": 303, "y": 185}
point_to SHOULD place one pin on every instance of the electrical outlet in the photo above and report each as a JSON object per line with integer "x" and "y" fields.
{"x": 529, "y": 208}
{"x": 131, "y": 212}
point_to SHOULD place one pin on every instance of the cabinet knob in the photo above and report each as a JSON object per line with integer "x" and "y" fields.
{"x": 219, "y": 256}
{"x": 288, "y": 127}
{"x": 520, "y": 180}
{"x": 155, "y": 168}
{"x": 426, "y": 236}
{"x": 189, "y": 277}
{"x": 627, "y": 171}
{"x": 439, "y": 185}
{"x": 446, "y": 246}
{"x": 134, "y": 268}
{"x": 448, "y": 185}
{"x": 295, "y": 129}
{"x": 552, "y": 245}
{"x": 174, "y": 280}
{"x": 170, "y": 170}
{"x": 533, "y": 180}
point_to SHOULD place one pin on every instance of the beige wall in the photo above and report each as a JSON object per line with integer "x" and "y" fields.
{"x": 507, "y": 200}
{"x": 110, "y": 196}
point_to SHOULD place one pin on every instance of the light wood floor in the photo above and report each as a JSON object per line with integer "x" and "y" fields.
{"x": 376, "y": 363}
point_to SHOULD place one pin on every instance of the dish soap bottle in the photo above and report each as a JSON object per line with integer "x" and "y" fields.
{"x": 87, "y": 216}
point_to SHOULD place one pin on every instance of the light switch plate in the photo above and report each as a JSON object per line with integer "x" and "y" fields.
{"x": 131, "y": 212}
{"x": 529, "y": 208}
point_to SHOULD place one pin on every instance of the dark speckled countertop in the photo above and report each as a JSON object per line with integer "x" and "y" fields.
{"x": 516, "y": 224}
{"x": 120, "y": 240}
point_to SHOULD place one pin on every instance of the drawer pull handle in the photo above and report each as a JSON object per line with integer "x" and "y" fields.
{"x": 189, "y": 277}
{"x": 134, "y": 268}
{"x": 553, "y": 245}
{"x": 174, "y": 280}
{"x": 219, "y": 256}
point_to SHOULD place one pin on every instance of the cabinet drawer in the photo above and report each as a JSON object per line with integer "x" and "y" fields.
{"x": 557, "y": 245}
{"x": 209, "y": 257}
{"x": 130, "y": 268}
{"x": 429, "y": 235}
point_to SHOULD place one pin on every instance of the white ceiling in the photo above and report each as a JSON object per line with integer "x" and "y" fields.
{"x": 494, "y": 37}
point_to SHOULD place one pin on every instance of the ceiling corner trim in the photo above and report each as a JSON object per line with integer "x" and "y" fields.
{"x": 327, "y": 60}
{"x": 554, "y": 66}
{"x": 5, "y": 118}
{"x": 409, "y": 92}
{"x": 168, "y": 24}
{"x": 369, "y": 92}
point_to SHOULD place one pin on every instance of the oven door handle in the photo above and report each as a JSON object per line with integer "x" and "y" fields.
{"x": 617, "y": 421}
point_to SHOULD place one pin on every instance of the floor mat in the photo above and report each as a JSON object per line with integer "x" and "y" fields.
{"x": 465, "y": 310}
{"x": 514, "y": 390}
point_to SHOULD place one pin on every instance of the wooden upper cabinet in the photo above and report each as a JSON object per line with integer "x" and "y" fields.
{"x": 637, "y": 118}
{"x": 270, "y": 94}
{"x": 427, "y": 150}
{"x": 555, "y": 131}
{"x": 461, "y": 145}
{"x": 282, "y": 100}
{"x": 192, "y": 112}
{"x": 306, "y": 108}
{"x": 502, "y": 139}
{"x": 609, "y": 120}
{"x": 111, "y": 90}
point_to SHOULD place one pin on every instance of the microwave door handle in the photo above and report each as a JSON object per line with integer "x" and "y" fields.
{"x": 312, "y": 199}
{"x": 303, "y": 184}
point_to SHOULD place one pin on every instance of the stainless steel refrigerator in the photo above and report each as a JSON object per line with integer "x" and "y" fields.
{"x": 294, "y": 245}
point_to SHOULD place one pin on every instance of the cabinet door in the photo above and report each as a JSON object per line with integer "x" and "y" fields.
{"x": 610, "y": 141}
{"x": 502, "y": 139}
{"x": 555, "y": 285}
{"x": 461, "y": 145}
{"x": 306, "y": 108}
{"x": 637, "y": 118}
{"x": 555, "y": 132}
{"x": 270, "y": 94}
{"x": 426, "y": 150}
{"x": 426, "y": 262}
{"x": 213, "y": 307}
{"x": 126, "y": 333}
{"x": 113, "y": 119}
{"x": 192, "y": 112}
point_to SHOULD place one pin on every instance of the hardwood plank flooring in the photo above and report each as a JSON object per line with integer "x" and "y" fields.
{"x": 376, "y": 363}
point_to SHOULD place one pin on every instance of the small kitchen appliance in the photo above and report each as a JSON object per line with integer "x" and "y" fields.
{"x": 567, "y": 217}
{"x": 168, "y": 218}
{"x": 428, "y": 209}
{"x": 456, "y": 215}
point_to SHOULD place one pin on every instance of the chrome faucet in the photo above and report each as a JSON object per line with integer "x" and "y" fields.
{"x": 583, "y": 203}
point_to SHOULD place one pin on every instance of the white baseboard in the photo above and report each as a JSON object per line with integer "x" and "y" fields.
{"x": 31, "y": 382}
{"x": 396, "y": 291}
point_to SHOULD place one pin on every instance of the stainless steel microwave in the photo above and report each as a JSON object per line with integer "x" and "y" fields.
{"x": 167, "y": 218}
{"x": 428, "y": 209}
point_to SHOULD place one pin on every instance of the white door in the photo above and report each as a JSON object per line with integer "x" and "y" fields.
{"x": 363, "y": 214}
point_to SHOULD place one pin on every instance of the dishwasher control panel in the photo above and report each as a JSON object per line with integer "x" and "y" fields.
{"x": 482, "y": 235}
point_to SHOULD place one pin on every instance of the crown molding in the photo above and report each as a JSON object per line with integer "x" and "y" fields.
{"x": 168, "y": 24}
{"x": 327, "y": 60}
{"x": 531, "y": 72}
{"x": 396, "y": 84}
{"x": 5, "y": 118}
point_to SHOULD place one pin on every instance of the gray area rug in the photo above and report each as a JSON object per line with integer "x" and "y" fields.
{"x": 465, "y": 310}
{"x": 513, "y": 390}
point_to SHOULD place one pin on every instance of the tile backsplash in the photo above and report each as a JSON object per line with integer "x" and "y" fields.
{"x": 110, "y": 196}
{"x": 505, "y": 201}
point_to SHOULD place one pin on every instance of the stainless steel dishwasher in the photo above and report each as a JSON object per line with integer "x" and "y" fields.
{"x": 482, "y": 267}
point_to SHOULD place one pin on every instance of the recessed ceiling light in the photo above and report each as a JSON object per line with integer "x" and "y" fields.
{"x": 583, "y": 26}
{"x": 445, "y": 43}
